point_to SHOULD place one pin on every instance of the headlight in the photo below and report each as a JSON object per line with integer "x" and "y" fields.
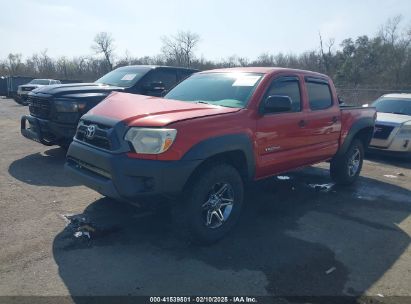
{"x": 68, "y": 106}
{"x": 150, "y": 140}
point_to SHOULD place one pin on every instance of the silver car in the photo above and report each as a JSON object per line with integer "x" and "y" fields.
{"x": 392, "y": 131}
{"x": 25, "y": 89}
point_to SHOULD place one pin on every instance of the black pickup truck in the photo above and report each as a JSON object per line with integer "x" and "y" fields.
{"x": 55, "y": 110}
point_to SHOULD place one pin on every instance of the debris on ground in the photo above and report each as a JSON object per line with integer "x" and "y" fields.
{"x": 283, "y": 177}
{"x": 87, "y": 228}
{"x": 332, "y": 269}
{"x": 82, "y": 233}
{"x": 80, "y": 225}
{"x": 390, "y": 176}
{"x": 380, "y": 295}
{"x": 322, "y": 187}
{"x": 400, "y": 174}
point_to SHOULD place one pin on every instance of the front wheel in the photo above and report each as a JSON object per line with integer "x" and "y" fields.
{"x": 212, "y": 204}
{"x": 346, "y": 168}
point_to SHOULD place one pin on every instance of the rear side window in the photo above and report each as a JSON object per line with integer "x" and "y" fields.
{"x": 167, "y": 76}
{"x": 319, "y": 95}
{"x": 287, "y": 87}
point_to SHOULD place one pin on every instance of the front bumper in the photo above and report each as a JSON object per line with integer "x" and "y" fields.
{"x": 45, "y": 131}
{"x": 123, "y": 178}
{"x": 23, "y": 93}
{"x": 397, "y": 146}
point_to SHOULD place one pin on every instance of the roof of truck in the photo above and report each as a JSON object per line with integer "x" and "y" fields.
{"x": 262, "y": 70}
{"x": 398, "y": 95}
{"x": 153, "y": 66}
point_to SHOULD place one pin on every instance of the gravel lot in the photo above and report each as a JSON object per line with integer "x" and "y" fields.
{"x": 292, "y": 239}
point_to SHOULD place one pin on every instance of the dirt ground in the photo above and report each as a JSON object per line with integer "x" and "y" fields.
{"x": 293, "y": 238}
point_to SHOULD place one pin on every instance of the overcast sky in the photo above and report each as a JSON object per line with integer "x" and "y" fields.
{"x": 243, "y": 27}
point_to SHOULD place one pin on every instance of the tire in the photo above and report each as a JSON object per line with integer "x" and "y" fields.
{"x": 197, "y": 218}
{"x": 346, "y": 168}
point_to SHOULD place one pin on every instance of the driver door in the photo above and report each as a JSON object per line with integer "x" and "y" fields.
{"x": 280, "y": 136}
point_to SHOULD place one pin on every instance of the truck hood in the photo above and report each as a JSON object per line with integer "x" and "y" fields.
{"x": 61, "y": 90}
{"x": 148, "y": 111}
{"x": 393, "y": 119}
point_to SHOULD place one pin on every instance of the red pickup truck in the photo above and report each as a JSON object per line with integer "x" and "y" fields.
{"x": 211, "y": 134}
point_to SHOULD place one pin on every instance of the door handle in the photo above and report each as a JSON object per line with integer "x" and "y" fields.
{"x": 334, "y": 120}
{"x": 302, "y": 123}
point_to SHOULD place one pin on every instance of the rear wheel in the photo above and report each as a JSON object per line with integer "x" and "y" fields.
{"x": 212, "y": 204}
{"x": 346, "y": 168}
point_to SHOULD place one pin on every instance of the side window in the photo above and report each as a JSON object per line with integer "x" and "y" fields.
{"x": 185, "y": 73}
{"x": 167, "y": 76}
{"x": 287, "y": 86}
{"x": 319, "y": 95}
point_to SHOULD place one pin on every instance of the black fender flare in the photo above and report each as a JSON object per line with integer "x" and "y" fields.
{"x": 361, "y": 124}
{"x": 221, "y": 144}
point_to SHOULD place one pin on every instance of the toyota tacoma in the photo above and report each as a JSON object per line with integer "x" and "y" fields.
{"x": 213, "y": 133}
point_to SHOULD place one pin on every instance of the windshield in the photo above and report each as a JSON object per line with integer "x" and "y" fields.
{"x": 223, "y": 89}
{"x": 40, "y": 81}
{"x": 396, "y": 106}
{"x": 123, "y": 77}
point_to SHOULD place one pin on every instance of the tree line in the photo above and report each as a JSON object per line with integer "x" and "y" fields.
{"x": 383, "y": 60}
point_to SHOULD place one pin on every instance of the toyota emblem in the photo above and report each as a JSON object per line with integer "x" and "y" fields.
{"x": 91, "y": 131}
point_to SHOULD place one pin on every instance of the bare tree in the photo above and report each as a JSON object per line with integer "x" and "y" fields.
{"x": 14, "y": 63}
{"x": 389, "y": 31}
{"x": 104, "y": 44}
{"x": 179, "y": 49}
{"x": 325, "y": 57}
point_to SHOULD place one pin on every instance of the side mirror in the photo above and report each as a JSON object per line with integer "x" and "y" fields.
{"x": 340, "y": 100}
{"x": 156, "y": 87}
{"x": 276, "y": 104}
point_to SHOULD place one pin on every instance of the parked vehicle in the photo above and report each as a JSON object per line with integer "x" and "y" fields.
{"x": 211, "y": 134}
{"x": 393, "y": 125}
{"x": 24, "y": 89}
{"x": 10, "y": 84}
{"x": 55, "y": 111}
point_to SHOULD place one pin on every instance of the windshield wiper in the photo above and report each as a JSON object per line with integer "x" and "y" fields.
{"x": 201, "y": 101}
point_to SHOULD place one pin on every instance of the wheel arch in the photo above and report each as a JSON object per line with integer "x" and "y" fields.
{"x": 233, "y": 149}
{"x": 363, "y": 130}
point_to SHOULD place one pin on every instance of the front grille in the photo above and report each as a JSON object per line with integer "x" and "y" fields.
{"x": 100, "y": 137}
{"x": 382, "y": 131}
{"x": 39, "y": 107}
{"x": 28, "y": 88}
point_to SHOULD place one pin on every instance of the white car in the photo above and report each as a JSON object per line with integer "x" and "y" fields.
{"x": 25, "y": 89}
{"x": 392, "y": 131}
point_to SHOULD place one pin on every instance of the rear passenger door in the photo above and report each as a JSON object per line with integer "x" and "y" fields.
{"x": 322, "y": 125}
